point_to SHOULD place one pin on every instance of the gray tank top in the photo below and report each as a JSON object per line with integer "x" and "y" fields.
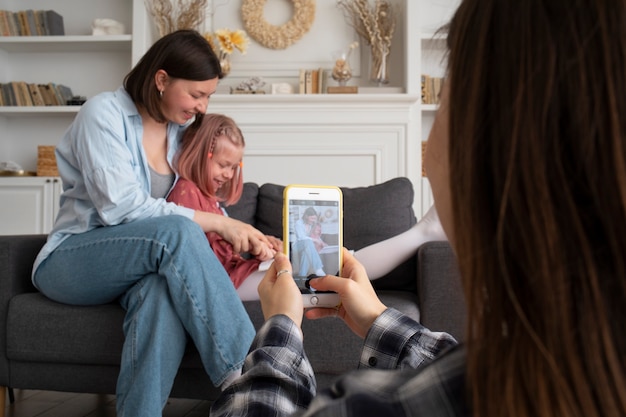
{"x": 160, "y": 184}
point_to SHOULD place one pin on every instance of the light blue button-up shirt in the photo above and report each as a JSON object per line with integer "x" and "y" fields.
{"x": 106, "y": 179}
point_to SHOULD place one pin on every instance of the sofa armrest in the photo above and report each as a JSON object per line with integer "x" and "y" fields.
{"x": 441, "y": 299}
{"x": 17, "y": 255}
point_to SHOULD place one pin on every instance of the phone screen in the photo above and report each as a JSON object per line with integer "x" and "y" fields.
{"x": 314, "y": 228}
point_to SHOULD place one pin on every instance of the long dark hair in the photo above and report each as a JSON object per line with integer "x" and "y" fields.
{"x": 537, "y": 152}
{"x": 183, "y": 54}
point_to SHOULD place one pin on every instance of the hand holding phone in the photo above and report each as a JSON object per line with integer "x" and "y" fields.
{"x": 313, "y": 236}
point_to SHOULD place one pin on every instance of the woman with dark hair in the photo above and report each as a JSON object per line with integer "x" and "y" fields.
{"x": 304, "y": 250}
{"x": 527, "y": 162}
{"x": 116, "y": 238}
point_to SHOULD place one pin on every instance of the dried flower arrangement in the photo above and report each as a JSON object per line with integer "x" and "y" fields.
{"x": 224, "y": 42}
{"x": 169, "y": 17}
{"x": 376, "y": 25}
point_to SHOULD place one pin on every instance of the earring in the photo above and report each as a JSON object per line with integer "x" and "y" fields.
{"x": 161, "y": 93}
{"x": 210, "y": 155}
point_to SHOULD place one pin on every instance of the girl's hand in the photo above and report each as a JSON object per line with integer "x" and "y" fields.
{"x": 276, "y": 243}
{"x": 267, "y": 252}
{"x": 242, "y": 236}
{"x": 359, "y": 306}
{"x": 279, "y": 293}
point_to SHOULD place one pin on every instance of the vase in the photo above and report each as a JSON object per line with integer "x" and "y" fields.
{"x": 225, "y": 64}
{"x": 342, "y": 72}
{"x": 379, "y": 66}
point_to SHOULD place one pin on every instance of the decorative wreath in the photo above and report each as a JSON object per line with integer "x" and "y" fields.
{"x": 277, "y": 37}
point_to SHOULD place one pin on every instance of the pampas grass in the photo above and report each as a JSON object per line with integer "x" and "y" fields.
{"x": 375, "y": 23}
{"x": 172, "y": 15}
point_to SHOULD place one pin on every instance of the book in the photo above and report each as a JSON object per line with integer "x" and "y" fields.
{"x": 25, "y": 94}
{"x": 35, "y": 94}
{"x": 30, "y": 22}
{"x": 40, "y": 20}
{"x": 5, "y": 29}
{"x": 302, "y": 82}
{"x": 342, "y": 89}
{"x": 308, "y": 81}
{"x": 54, "y": 23}
{"x": 315, "y": 81}
{"x": 49, "y": 97}
{"x": 65, "y": 93}
{"x": 23, "y": 23}
{"x": 8, "y": 94}
{"x": 10, "y": 22}
{"x": 323, "y": 81}
{"x": 17, "y": 93}
{"x": 57, "y": 94}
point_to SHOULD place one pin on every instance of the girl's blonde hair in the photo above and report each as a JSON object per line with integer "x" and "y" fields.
{"x": 199, "y": 144}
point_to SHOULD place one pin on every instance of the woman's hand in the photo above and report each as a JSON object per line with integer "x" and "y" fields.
{"x": 242, "y": 236}
{"x": 268, "y": 251}
{"x": 279, "y": 293}
{"x": 359, "y": 306}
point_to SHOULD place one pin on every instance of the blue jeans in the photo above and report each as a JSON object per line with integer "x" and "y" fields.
{"x": 306, "y": 259}
{"x": 164, "y": 273}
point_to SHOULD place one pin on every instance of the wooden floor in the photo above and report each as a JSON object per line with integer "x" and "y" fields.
{"x": 63, "y": 404}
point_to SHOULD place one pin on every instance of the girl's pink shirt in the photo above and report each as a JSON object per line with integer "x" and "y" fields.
{"x": 186, "y": 194}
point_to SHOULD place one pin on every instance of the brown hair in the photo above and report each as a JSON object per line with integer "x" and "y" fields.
{"x": 193, "y": 157}
{"x": 538, "y": 165}
{"x": 183, "y": 54}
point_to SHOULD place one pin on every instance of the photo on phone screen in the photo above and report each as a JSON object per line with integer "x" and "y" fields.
{"x": 314, "y": 228}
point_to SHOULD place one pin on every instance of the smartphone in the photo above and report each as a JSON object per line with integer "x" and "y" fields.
{"x": 313, "y": 236}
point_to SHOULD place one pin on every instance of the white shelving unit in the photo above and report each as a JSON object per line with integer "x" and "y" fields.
{"x": 360, "y": 139}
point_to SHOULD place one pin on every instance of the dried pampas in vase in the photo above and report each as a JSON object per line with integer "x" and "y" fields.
{"x": 172, "y": 15}
{"x": 375, "y": 23}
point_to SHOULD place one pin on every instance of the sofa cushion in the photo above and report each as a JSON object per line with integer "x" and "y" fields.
{"x": 371, "y": 214}
{"x": 245, "y": 208}
{"x": 41, "y": 330}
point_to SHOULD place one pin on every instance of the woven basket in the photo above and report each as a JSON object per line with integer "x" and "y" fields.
{"x": 46, "y": 162}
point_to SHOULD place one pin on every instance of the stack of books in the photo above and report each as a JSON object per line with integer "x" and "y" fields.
{"x": 431, "y": 89}
{"x": 313, "y": 81}
{"x": 31, "y": 23}
{"x": 20, "y": 93}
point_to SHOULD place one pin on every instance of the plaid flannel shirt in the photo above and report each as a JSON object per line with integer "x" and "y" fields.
{"x": 278, "y": 379}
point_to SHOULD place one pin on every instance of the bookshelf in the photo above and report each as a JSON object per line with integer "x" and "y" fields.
{"x": 360, "y": 139}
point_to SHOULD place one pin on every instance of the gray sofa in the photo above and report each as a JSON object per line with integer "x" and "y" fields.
{"x": 45, "y": 345}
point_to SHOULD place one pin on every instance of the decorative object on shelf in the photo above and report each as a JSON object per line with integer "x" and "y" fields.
{"x": 342, "y": 72}
{"x": 13, "y": 169}
{"x": 76, "y": 101}
{"x": 186, "y": 14}
{"x": 376, "y": 25}
{"x": 100, "y": 27}
{"x": 250, "y": 86}
{"x": 277, "y": 37}
{"x": 224, "y": 42}
{"x": 282, "y": 88}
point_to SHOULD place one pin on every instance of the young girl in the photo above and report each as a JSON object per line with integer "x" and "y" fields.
{"x": 210, "y": 162}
